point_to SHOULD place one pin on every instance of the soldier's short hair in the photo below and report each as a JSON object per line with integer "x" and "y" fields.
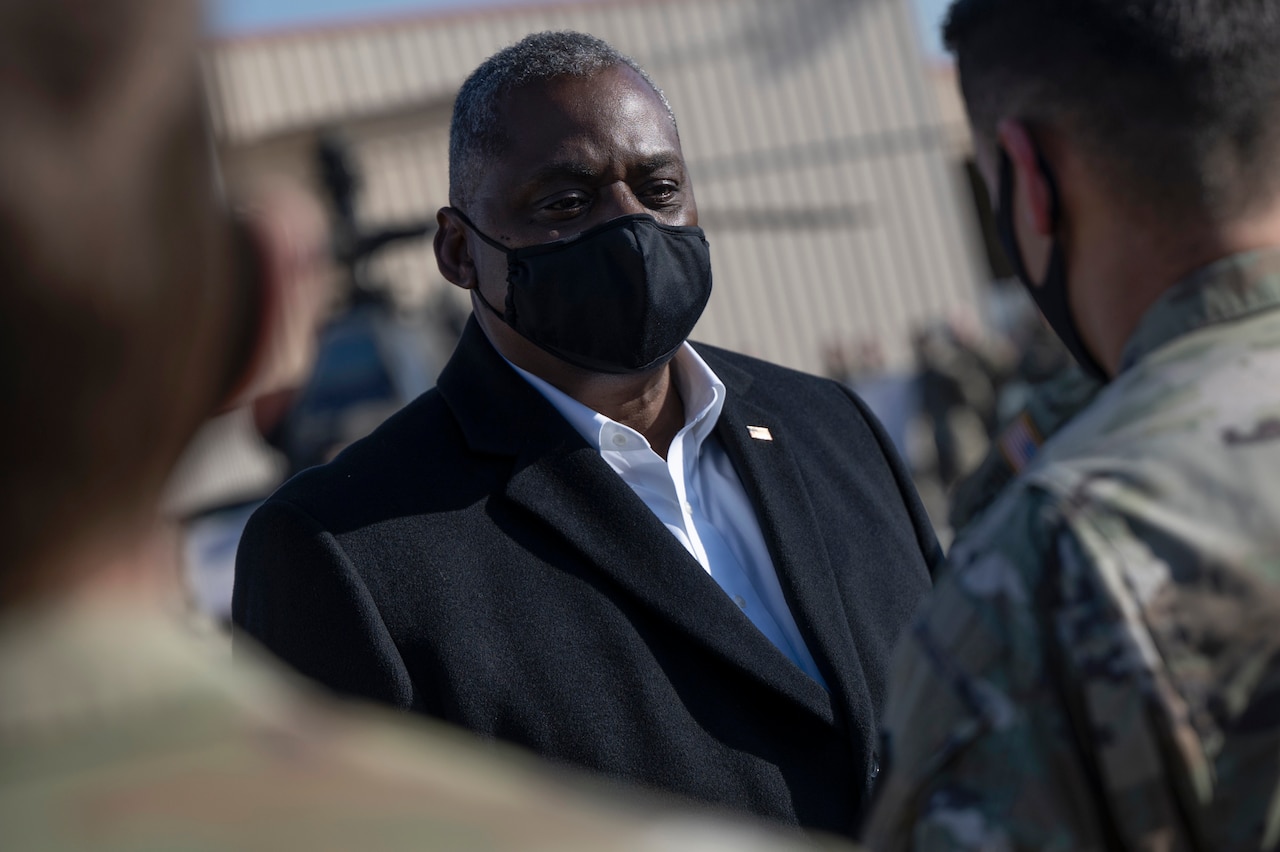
{"x": 1176, "y": 98}
{"x": 476, "y": 133}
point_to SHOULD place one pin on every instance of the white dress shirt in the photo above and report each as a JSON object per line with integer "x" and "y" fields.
{"x": 698, "y": 496}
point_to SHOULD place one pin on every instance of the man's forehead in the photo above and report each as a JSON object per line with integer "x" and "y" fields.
{"x": 612, "y": 95}
{"x": 567, "y": 121}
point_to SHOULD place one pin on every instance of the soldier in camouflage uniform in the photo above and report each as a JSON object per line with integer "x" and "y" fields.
{"x": 1099, "y": 666}
{"x": 121, "y": 326}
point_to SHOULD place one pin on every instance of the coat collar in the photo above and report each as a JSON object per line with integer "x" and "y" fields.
{"x": 499, "y": 412}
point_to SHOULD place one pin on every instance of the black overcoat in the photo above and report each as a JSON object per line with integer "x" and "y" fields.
{"x": 476, "y": 561}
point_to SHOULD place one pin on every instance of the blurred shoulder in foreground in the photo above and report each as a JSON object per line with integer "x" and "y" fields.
{"x": 124, "y": 730}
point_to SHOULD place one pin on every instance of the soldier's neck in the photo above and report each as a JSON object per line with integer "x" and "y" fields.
{"x": 140, "y": 569}
{"x": 1133, "y": 262}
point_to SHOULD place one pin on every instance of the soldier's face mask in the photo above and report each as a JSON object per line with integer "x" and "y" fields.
{"x": 1050, "y": 295}
{"x": 618, "y": 298}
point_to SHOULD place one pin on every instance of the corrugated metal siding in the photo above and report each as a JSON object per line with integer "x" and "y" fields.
{"x": 820, "y": 164}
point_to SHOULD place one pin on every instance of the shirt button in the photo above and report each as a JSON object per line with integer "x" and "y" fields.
{"x": 619, "y": 440}
{"x": 740, "y": 601}
{"x": 688, "y": 508}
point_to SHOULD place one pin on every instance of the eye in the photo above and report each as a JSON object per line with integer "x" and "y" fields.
{"x": 567, "y": 204}
{"x": 662, "y": 194}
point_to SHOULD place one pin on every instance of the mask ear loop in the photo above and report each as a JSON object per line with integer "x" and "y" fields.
{"x": 1006, "y": 204}
{"x": 1004, "y": 213}
{"x": 509, "y": 317}
{"x": 466, "y": 220}
{"x": 1054, "y": 303}
{"x": 1055, "y": 199}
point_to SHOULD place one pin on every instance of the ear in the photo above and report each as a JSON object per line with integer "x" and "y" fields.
{"x": 296, "y": 279}
{"x": 453, "y": 252}
{"x": 1033, "y": 196}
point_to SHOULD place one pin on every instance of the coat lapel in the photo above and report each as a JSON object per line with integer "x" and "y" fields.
{"x": 579, "y": 497}
{"x": 563, "y": 483}
{"x": 767, "y": 465}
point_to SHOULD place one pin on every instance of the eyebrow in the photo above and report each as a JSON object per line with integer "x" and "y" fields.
{"x": 573, "y": 169}
{"x": 560, "y": 171}
{"x": 659, "y": 162}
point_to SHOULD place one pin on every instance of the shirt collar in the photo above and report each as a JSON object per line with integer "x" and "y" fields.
{"x": 1229, "y": 289}
{"x": 701, "y": 390}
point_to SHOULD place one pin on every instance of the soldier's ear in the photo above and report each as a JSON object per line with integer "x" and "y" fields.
{"x": 1033, "y": 198}
{"x": 290, "y": 261}
{"x": 1033, "y": 193}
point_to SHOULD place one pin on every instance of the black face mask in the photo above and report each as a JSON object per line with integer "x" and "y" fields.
{"x": 1051, "y": 294}
{"x": 619, "y": 298}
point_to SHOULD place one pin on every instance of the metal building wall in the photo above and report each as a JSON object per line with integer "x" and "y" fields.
{"x": 821, "y": 167}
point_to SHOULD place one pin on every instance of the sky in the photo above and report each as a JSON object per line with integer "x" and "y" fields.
{"x": 929, "y": 13}
{"x": 244, "y": 16}
{"x": 240, "y": 16}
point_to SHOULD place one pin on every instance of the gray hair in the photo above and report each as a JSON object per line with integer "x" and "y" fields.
{"x": 476, "y": 133}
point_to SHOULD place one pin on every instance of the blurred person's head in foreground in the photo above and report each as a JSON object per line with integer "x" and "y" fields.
{"x": 1127, "y": 144}
{"x": 131, "y": 306}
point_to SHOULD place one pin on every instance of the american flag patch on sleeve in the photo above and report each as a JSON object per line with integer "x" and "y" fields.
{"x": 1019, "y": 442}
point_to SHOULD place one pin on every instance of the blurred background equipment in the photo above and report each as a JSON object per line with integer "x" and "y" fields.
{"x": 372, "y": 358}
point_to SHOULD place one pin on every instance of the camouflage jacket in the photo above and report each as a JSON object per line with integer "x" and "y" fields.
{"x": 1099, "y": 668}
{"x": 121, "y": 731}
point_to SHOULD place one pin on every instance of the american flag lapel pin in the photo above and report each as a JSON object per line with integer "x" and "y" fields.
{"x": 760, "y": 433}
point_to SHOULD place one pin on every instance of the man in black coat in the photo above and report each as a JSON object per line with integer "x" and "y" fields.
{"x": 670, "y": 564}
